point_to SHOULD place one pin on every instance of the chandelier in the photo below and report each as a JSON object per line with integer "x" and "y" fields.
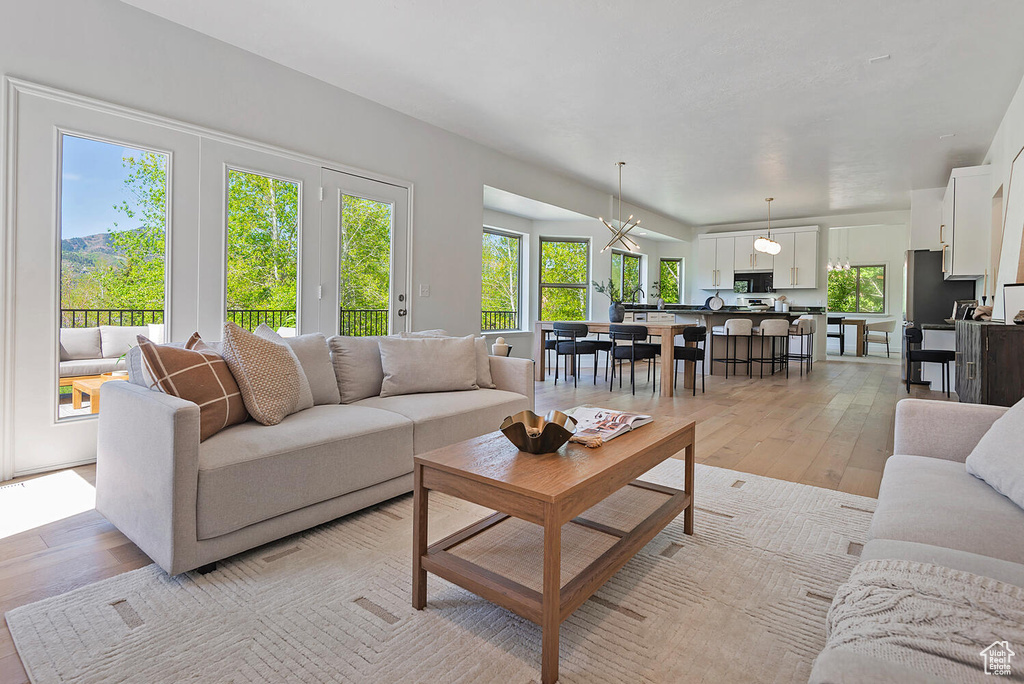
{"x": 619, "y": 234}
{"x": 765, "y": 243}
{"x": 839, "y": 265}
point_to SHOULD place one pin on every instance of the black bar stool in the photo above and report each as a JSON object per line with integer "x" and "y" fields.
{"x": 570, "y": 345}
{"x": 776, "y": 330}
{"x": 632, "y": 352}
{"x": 698, "y": 335}
{"x": 733, "y": 329}
{"x": 943, "y": 356}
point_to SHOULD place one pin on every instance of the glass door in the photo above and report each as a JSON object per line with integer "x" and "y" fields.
{"x": 364, "y": 255}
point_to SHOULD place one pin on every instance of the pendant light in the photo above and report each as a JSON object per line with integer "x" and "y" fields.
{"x": 766, "y": 244}
{"x": 619, "y": 234}
{"x": 846, "y": 266}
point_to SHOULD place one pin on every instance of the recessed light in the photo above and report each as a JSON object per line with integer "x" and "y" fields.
{"x": 879, "y": 58}
{"x": 641, "y": 233}
{"x": 947, "y": 135}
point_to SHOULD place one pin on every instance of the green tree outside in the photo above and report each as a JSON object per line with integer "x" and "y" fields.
{"x": 563, "y": 262}
{"x": 859, "y": 290}
{"x": 669, "y": 280}
{"x": 500, "y": 281}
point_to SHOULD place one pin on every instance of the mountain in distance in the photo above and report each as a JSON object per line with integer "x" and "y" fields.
{"x": 88, "y": 251}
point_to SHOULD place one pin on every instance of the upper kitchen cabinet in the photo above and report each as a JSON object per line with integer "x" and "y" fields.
{"x": 966, "y": 227}
{"x": 716, "y": 257}
{"x": 796, "y": 266}
{"x": 749, "y": 259}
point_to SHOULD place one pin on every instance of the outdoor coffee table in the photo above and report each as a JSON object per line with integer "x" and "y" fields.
{"x": 545, "y": 573}
{"x": 91, "y": 387}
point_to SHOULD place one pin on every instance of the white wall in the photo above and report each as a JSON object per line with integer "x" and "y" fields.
{"x": 1006, "y": 144}
{"x": 117, "y": 53}
{"x": 876, "y": 237}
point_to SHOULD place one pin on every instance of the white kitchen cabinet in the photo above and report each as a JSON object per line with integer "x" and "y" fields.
{"x": 715, "y": 263}
{"x": 966, "y": 223}
{"x": 747, "y": 258}
{"x": 796, "y": 265}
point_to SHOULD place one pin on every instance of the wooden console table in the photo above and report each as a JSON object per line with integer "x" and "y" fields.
{"x": 593, "y": 512}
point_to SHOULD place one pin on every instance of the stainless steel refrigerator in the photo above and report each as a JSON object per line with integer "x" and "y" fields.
{"x": 928, "y": 298}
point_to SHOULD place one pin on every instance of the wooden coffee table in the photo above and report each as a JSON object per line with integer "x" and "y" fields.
{"x": 546, "y": 573}
{"x": 90, "y": 386}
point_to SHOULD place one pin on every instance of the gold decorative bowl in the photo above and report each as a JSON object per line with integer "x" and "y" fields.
{"x": 549, "y": 432}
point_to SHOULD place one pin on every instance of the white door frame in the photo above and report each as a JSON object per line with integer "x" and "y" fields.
{"x": 182, "y": 253}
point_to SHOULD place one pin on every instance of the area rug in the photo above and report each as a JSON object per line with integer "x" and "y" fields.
{"x": 742, "y": 600}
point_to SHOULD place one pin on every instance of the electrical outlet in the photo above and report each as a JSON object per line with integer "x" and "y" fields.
{"x": 424, "y": 290}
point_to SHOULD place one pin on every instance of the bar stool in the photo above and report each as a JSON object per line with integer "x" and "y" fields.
{"x": 632, "y": 352}
{"x": 698, "y": 335}
{"x": 570, "y": 344}
{"x": 733, "y": 329}
{"x": 943, "y": 356}
{"x": 773, "y": 329}
{"x": 804, "y": 328}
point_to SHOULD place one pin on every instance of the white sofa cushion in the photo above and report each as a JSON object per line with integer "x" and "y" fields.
{"x": 935, "y": 501}
{"x": 251, "y": 472}
{"x": 357, "y": 367}
{"x": 80, "y": 367}
{"x": 998, "y": 458}
{"x": 483, "y": 363}
{"x": 315, "y": 358}
{"x": 997, "y": 569}
{"x": 79, "y": 343}
{"x": 427, "y": 364}
{"x": 116, "y": 340}
{"x": 445, "y": 418}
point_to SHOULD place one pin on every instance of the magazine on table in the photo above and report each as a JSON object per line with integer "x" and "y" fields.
{"x": 606, "y": 423}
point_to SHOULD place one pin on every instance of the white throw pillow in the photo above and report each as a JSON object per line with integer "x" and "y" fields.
{"x": 413, "y": 365}
{"x": 483, "y": 360}
{"x": 998, "y": 458}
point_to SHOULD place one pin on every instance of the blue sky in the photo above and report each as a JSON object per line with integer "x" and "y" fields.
{"x": 92, "y": 185}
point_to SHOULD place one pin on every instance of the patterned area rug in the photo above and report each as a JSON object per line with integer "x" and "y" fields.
{"x": 743, "y": 600}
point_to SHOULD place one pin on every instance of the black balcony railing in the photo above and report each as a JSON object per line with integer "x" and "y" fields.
{"x": 499, "y": 320}
{"x": 354, "y": 322}
{"x": 363, "y": 322}
{"x": 92, "y": 318}
{"x": 250, "y": 319}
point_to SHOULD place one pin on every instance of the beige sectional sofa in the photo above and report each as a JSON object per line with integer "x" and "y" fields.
{"x": 98, "y": 350}
{"x": 188, "y": 504}
{"x": 931, "y": 510}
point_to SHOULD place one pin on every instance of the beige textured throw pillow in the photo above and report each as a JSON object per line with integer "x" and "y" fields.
{"x": 305, "y": 394}
{"x": 198, "y": 374}
{"x": 483, "y": 360}
{"x": 266, "y": 372}
{"x": 427, "y": 364}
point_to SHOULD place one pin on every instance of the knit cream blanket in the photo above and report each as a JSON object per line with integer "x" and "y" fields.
{"x": 930, "y": 618}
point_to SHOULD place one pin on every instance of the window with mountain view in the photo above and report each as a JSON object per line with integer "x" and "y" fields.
{"x": 500, "y": 291}
{"x": 262, "y": 250}
{"x": 113, "y": 218}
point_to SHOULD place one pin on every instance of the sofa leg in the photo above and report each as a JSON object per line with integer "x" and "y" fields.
{"x": 207, "y": 569}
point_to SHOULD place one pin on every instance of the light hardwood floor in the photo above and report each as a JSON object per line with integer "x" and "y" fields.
{"x": 830, "y": 428}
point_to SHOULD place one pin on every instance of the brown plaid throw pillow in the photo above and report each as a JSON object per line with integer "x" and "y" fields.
{"x": 197, "y": 374}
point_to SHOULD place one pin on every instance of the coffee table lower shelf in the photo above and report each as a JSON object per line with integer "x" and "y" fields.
{"x": 500, "y": 558}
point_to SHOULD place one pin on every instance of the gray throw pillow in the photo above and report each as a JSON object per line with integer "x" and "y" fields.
{"x": 315, "y": 360}
{"x": 998, "y": 458}
{"x": 483, "y": 361}
{"x": 427, "y": 364}
{"x": 79, "y": 343}
{"x": 357, "y": 367}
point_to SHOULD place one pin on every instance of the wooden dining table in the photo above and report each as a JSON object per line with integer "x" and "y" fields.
{"x": 664, "y": 330}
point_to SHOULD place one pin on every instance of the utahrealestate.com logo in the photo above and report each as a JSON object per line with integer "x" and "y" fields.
{"x": 997, "y": 658}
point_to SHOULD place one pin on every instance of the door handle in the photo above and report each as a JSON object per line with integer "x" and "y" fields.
{"x": 970, "y": 370}
{"x": 941, "y": 226}
{"x": 944, "y": 257}
{"x": 402, "y": 312}
{"x": 797, "y": 281}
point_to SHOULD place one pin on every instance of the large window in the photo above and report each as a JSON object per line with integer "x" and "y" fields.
{"x": 564, "y": 278}
{"x": 626, "y": 275}
{"x": 263, "y": 247}
{"x": 669, "y": 280}
{"x": 859, "y": 290}
{"x": 501, "y": 285}
{"x": 365, "y": 266}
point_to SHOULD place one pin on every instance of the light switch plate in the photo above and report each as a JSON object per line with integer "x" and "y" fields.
{"x": 424, "y": 290}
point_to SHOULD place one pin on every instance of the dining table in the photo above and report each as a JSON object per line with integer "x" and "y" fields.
{"x": 664, "y": 330}
{"x": 859, "y": 323}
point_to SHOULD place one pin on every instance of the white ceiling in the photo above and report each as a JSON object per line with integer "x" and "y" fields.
{"x": 714, "y": 104}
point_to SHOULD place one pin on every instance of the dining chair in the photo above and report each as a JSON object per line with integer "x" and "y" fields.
{"x": 878, "y": 332}
{"x": 569, "y": 343}
{"x": 944, "y": 356}
{"x": 841, "y": 334}
{"x": 634, "y": 351}
{"x": 697, "y": 335}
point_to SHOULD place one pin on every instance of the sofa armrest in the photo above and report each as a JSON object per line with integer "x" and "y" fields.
{"x": 941, "y": 429}
{"x": 513, "y": 375}
{"x": 147, "y": 470}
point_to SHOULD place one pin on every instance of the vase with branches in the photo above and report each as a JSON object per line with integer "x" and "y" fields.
{"x": 616, "y": 312}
